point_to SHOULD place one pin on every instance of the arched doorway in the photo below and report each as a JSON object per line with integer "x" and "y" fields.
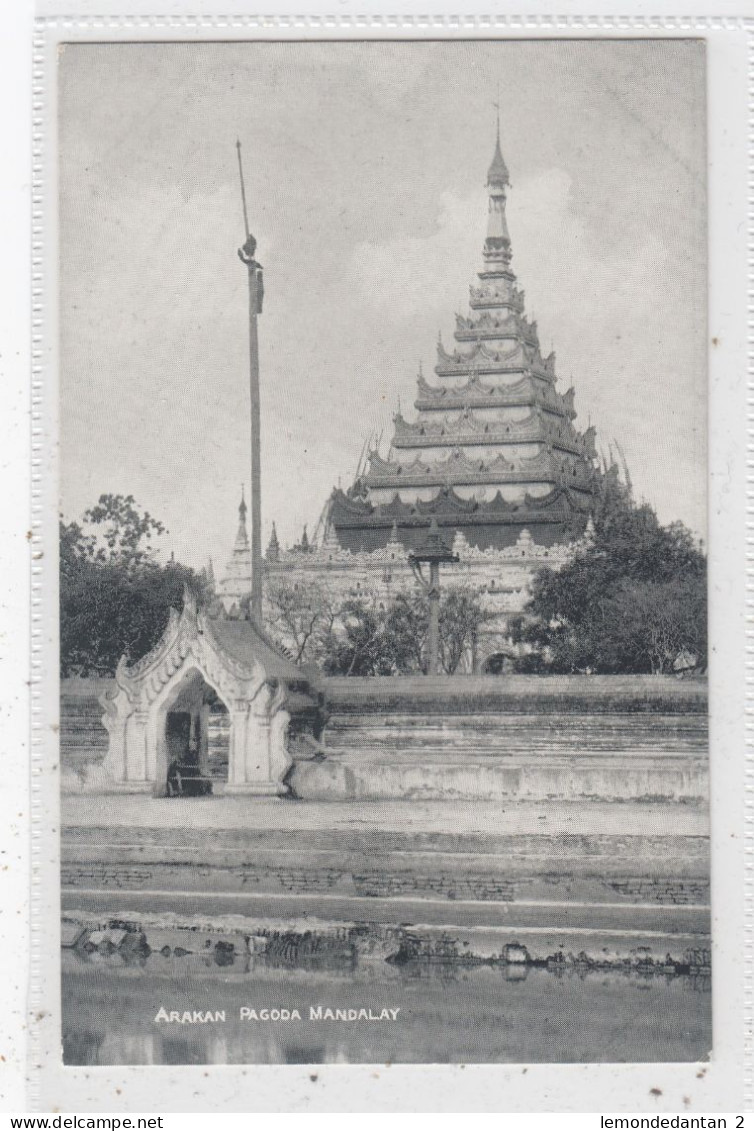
{"x": 193, "y": 737}
{"x": 196, "y": 660}
{"x": 499, "y": 663}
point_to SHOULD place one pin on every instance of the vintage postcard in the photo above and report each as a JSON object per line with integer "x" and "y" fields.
{"x": 379, "y": 518}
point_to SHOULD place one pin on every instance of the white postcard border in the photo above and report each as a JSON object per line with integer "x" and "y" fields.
{"x": 425, "y": 1088}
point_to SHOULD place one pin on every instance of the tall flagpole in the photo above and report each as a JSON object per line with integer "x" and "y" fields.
{"x": 256, "y": 292}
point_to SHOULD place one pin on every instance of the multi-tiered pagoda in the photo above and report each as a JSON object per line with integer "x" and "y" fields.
{"x": 493, "y": 451}
{"x": 492, "y": 455}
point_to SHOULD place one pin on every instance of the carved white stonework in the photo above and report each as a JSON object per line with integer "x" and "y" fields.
{"x": 189, "y": 656}
{"x": 502, "y": 577}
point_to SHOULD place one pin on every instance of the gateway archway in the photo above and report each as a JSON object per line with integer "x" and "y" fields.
{"x": 499, "y": 663}
{"x": 204, "y": 680}
{"x": 193, "y": 736}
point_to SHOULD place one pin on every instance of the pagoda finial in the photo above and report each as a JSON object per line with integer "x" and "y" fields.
{"x": 242, "y": 537}
{"x": 497, "y": 175}
{"x": 497, "y": 246}
{"x": 273, "y": 549}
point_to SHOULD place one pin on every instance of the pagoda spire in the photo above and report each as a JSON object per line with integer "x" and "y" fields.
{"x": 497, "y": 246}
{"x": 494, "y": 438}
{"x": 242, "y": 537}
{"x": 497, "y": 173}
{"x": 273, "y": 550}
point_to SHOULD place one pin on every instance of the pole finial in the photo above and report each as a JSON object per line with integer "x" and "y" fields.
{"x": 496, "y": 104}
{"x": 243, "y": 188}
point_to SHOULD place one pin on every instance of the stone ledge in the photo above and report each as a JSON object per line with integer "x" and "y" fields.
{"x": 375, "y": 942}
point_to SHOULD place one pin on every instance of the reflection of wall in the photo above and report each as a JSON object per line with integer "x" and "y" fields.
{"x": 179, "y": 1047}
{"x": 476, "y": 1015}
{"x": 83, "y": 1047}
{"x": 119, "y": 1047}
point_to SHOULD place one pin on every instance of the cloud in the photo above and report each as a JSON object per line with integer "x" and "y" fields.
{"x": 361, "y": 163}
{"x": 412, "y": 276}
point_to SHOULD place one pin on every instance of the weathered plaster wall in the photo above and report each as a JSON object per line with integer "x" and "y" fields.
{"x": 533, "y": 738}
{"x": 83, "y": 738}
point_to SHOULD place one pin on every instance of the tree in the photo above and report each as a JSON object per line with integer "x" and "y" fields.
{"x": 119, "y": 532}
{"x": 115, "y": 596}
{"x": 632, "y": 601}
{"x": 462, "y": 614}
{"x": 655, "y": 624}
{"x": 358, "y": 635}
{"x": 355, "y": 649}
{"x": 302, "y": 618}
{"x": 404, "y": 643}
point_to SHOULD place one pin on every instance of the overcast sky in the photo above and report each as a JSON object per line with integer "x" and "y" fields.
{"x": 365, "y": 168}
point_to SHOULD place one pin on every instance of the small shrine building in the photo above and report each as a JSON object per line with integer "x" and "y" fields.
{"x": 164, "y": 709}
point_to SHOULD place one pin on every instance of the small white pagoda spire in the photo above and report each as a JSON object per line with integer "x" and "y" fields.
{"x": 242, "y": 537}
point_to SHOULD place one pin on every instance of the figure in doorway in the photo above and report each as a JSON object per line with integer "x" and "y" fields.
{"x": 175, "y": 781}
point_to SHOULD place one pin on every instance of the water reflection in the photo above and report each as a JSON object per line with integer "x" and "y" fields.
{"x": 448, "y": 1012}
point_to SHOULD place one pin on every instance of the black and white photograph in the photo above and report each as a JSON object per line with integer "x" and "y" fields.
{"x": 383, "y": 542}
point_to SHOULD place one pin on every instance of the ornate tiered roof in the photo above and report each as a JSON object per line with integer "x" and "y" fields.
{"x": 544, "y": 426}
{"x": 493, "y": 447}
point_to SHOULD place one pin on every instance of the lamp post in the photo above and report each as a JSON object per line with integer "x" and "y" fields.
{"x": 433, "y": 551}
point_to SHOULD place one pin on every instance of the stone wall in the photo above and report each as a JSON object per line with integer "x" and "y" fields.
{"x": 519, "y": 694}
{"x": 483, "y": 737}
{"x": 83, "y": 739}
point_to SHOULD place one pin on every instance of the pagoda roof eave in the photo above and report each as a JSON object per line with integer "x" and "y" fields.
{"x": 475, "y": 394}
{"x": 339, "y": 500}
{"x": 522, "y": 400}
{"x": 472, "y": 430}
{"x": 539, "y": 468}
{"x": 492, "y": 334}
{"x": 478, "y": 479}
{"x": 493, "y": 440}
{"x": 557, "y": 506}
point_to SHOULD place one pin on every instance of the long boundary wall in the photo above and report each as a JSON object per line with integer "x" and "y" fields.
{"x": 476, "y": 737}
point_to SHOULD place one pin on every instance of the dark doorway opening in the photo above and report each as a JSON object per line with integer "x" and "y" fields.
{"x": 499, "y": 663}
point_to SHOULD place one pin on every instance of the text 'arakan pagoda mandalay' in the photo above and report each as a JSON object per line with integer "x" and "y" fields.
{"x": 493, "y": 457}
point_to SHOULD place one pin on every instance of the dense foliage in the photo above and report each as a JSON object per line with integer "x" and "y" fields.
{"x": 115, "y": 596}
{"x": 360, "y": 636}
{"x": 634, "y": 601}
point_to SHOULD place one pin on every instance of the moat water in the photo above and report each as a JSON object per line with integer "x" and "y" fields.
{"x": 447, "y": 1013}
